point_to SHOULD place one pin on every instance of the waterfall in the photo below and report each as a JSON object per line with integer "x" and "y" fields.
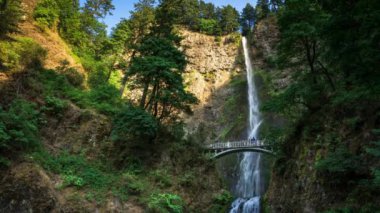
{"x": 249, "y": 186}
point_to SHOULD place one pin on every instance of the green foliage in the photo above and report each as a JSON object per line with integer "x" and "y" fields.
{"x": 262, "y": 9}
{"x": 46, "y": 13}
{"x": 136, "y": 185}
{"x": 341, "y": 161}
{"x": 209, "y": 26}
{"x": 10, "y": 15}
{"x": 222, "y": 202}
{"x": 104, "y": 98}
{"x": 20, "y": 54}
{"x": 72, "y": 75}
{"x": 162, "y": 178}
{"x": 18, "y": 128}
{"x": 247, "y": 19}
{"x": 158, "y": 74}
{"x": 134, "y": 123}
{"x": 165, "y": 203}
{"x": 54, "y": 106}
{"x": 187, "y": 179}
{"x": 229, "y": 19}
{"x": 76, "y": 171}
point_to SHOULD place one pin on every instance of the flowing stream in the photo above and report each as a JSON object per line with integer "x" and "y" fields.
{"x": 249, "y": 186}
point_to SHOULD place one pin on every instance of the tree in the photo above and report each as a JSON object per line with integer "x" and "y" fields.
{"x": 158, "y": 73}
{"x": 189, "y": 13}
{"x": 207, "y": 10}
{"x": 98, "y": 8}
{"x": 352, "y": 34}
{"x": 247, "y": 19}
{"x": 209, "y": 26}
{"x": 262, "y": 9}
{"x": 69, "y": 25}
{"x": 276, "y": 4}
{"x": 10, "y": 15}
{"x": 229, "y": 19}
{"x": 140, "y": 25}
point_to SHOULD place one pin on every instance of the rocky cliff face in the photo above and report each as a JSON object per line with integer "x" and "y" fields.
{"x": 296, "y": 184}
{"x": 213, "y": 63}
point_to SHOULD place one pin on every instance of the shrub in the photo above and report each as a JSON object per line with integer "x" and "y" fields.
{"x": 32, "y": 55}
{"x": 46, "y": 13}
{"x": 73, "y": 76}
{"x": 21, "y": 54}
{"x": 340, "y": 161}
{"x": 208, "y": 26}
{"x": 54, "y": 106}
{"x": 222, "y": 202}
{"x": 10, "y": 15}
{"x": 78, "y": 172}
{"x": 18, "y": 128}
{"x": 166, "y": 203}
{"x": 132, "y": 123}
{"x": 162, "y": 178}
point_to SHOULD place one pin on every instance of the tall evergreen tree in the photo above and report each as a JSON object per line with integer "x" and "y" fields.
{"x": 229, "y": 19}
{"x": 207, "y": 10}
{"x": 158, "y": 73}
{"x": 262, "y": 9}
{"x": 10, "y": 14}
{"x": 247, "y": 19}
{"x": 140, "y": 25}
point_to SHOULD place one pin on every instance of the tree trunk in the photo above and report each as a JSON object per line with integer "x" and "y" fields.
{"x": 124, "y": 82}
{"x": 144, "y": 95}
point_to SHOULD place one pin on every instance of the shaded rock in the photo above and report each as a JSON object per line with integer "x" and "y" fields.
{"x": 27, "y": 188}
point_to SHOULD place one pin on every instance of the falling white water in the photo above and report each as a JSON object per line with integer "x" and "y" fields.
{"x": 249, "y": 186}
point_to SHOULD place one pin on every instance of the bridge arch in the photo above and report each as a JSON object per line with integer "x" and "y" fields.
{"x": 230, "y": 151}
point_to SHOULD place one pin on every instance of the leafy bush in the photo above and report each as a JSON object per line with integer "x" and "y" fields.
{"x": 10, "y": 15}
{"x": 222, "y": 202}
{"x": 20, "y": 54}
{"x": 136, "y": 187}
{"x": 77, "y": 172}
{"x": 132, "y": 123}
{"x": 54, "y": 106}
{"x": 31, "y": 53}
{"x": 18, "y": 128}
{"x": 74, "y": 77}
{"x": 341, "y": 161}
{"x": 46, "y": 13}
{"x": 166, "y": 203}
{"x": 162, "y": 178}
{"x": 209, "y": 26}
{"x": 187, "y": 179}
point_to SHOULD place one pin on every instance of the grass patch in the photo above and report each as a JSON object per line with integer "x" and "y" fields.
{"x": 93, "y": 177}
{"x": 104, "y": 98}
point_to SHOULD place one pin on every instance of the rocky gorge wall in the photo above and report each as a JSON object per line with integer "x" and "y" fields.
{"x": 295, "y": 183}
{"x": 215, "y": 76}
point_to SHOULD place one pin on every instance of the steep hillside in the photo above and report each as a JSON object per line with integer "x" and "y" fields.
{"x": 57, "y": 49}
{"x": 69, "y": 161}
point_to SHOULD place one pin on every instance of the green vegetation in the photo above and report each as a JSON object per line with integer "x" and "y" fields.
{"x": 165, "y": 203}
{"x": 75, "y": 171}
{"x": 117, "y": 138}
{"x": 10, "y": 15}
{"x": 20, "y": 54}
{"x": 18, "y": 129}
{"x": 330, "y": 103}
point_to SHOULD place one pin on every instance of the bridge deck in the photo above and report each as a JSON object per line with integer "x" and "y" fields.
{"x": 236, "y": 145}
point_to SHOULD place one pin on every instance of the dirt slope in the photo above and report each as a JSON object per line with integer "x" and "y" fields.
{"x": 56, "y": 48}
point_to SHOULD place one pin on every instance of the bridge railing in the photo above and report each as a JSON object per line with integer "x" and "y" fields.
{"x": 236, "y": 144}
